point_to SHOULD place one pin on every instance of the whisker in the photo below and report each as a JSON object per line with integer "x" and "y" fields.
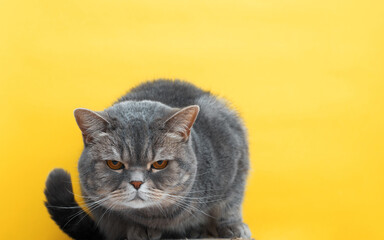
{"x": 183, "y": 201}
{"x": 91, "y": 207}
{"x": 186, "y": 197}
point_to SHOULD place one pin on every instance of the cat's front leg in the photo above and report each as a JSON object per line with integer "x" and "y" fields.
{"x": 136, "y": 232}
{"x": 230, "y": 223}
{"x": 234, "y": 230}
{"x": 154, "y": 234}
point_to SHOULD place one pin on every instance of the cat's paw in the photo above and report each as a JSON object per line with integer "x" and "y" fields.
{"x": 137, "y": 233}
{"x": 153, "y": 234}
{"x": 235, "y": 230}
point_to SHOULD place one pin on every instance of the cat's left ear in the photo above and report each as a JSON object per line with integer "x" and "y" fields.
{"x": 180, "y": 123}
{"x": 90, "y": 123}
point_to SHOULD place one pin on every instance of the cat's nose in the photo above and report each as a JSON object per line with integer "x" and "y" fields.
{"x": 136, "y": 184}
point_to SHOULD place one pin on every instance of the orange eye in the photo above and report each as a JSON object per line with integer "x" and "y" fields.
{"x": 115, "y": 165}
{"x": 159, "y": 164}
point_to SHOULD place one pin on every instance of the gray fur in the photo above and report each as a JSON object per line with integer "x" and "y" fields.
{"x": 200, "y": 192}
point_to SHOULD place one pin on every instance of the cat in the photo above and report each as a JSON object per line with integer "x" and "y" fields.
{"x": 167, "y": 160}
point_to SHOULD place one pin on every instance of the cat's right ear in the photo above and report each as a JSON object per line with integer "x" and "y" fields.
{"x": 89, "y": 123}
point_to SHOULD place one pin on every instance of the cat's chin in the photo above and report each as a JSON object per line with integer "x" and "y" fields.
{"x": 135, "y": 204}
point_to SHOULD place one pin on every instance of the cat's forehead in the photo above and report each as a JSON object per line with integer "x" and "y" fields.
{"x": 133, "y": 110}
{"x": 134, "y": 133}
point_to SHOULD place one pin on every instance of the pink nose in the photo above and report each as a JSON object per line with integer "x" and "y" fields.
{"x": 136, "y": 184}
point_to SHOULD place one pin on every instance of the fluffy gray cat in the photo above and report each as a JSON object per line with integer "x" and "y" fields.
{"x": 167, "y": 160}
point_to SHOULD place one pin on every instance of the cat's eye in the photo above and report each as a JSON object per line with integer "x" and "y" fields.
{"x": 115, "y": 165}
{"x": 159, "y": 164}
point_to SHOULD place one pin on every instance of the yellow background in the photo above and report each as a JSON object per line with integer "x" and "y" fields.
{"x": 307, "y": 77}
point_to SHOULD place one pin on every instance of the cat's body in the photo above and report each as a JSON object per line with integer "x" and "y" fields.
{"x": 199, "y": 192}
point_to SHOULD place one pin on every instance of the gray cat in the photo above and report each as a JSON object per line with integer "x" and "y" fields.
{"x": 167, "y": 160}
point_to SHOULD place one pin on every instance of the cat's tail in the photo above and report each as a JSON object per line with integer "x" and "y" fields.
{"x": 65, "y": 211}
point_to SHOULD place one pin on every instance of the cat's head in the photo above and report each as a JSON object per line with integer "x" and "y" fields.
{"x": 137, "y": 154}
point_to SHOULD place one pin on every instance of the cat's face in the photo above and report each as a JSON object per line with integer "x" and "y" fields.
{"x": 137, "y": 155}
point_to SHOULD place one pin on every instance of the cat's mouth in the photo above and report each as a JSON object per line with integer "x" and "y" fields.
{"x": 137, "y": 197}
{"x": 136, "y": 201}
{"x": 132, "y": 200}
